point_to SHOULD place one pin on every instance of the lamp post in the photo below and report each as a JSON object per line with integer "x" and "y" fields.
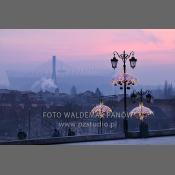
{"x": 29, "y": 122}
{"x": 124, "y": 57}
{"x": 142, "y": 111}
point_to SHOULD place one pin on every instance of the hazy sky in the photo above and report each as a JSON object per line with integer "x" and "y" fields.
{"x": 154, "y": 49}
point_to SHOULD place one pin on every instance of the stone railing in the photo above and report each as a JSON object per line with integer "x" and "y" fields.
{"x": 68, "y": 139}
{"x": 88, "y": 138}
{"x": 154, "y": 133}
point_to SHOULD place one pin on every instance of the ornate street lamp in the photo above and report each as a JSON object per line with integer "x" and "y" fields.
{"x": 114, "y": 62}
{"x": 141, "y": 111}
{"x": 133, "y": 61}
{"x": 141, "y": 94}
{"x": 124, "y": 57}
{"x": 101, "y": 111}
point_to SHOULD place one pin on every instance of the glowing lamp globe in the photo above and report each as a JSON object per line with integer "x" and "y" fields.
{"x": 141, "y": 112}
{"x": 101, "y": 110}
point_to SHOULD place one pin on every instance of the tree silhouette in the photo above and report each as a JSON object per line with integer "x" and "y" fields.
{"x": 98, "y": 93}
{"x": 73, "y": 91}
{"x": 168, "y": 89}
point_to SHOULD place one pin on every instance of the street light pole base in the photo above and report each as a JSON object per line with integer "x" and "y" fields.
{"x": 125, "y": 127}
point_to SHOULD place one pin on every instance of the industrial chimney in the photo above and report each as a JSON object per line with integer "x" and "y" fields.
{"x": 54, "y": 77}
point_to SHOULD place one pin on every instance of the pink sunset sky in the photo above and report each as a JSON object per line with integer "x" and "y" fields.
{"x": 154, "y": 48}
{"x": 39, "y": 44}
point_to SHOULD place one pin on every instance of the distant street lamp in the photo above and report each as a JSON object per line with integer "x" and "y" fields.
{"x": 141, "y": 94}
{"x": 101, "y": 111}
{"x": 141, "y": 111}
{"x": 114, "y": 61}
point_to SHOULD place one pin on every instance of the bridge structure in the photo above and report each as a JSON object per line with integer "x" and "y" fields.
{"x": 166, "y": 136}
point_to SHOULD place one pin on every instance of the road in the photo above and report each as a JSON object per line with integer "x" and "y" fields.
{"x": 170, "y": 140}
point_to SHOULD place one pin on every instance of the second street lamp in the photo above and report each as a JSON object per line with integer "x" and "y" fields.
{"x": 114, "y": 61}
{"x": 141, "y": 94}
{"x": 141, "y": 111}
